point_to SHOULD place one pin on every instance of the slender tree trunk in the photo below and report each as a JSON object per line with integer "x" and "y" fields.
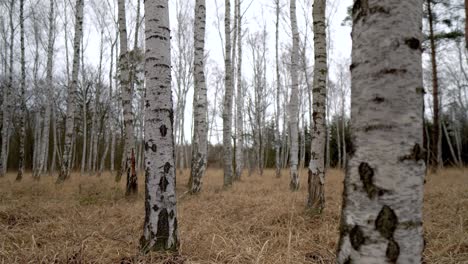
{"x": 436, "y": 128}
{"x": 55, "y": 153}
{"x": 466, "y": 24}
{"x": 343, "y": 138}
{"x": 85, "y": 133}
{"x": 240, "y": 99}
{"x": 449, "y": 142}
{"x": 381, "y": 219}
{"x": 70, "y": 116}
{"x": 19, "y": 176}
{"x": 338, "y": 143}
{"x": 227, "y": 109}
{"x": 127, "y": 96}
{"x": 200, "y": 102}
{"x": 278, "y": 88}
{"x": 160, "y": 228}
{"x": 293, "y": 103}
{"x": 316, "y": 199}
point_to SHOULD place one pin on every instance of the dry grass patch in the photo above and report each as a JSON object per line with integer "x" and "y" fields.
{"x": 258, "y": 220}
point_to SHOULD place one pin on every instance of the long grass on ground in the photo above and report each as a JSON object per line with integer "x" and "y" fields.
{"x": 258, "y": 220}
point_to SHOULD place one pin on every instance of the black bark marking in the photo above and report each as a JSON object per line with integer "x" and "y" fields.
{"x": 167, "y": 167}
{"x": 413, "y": 43}
{"x": 171, "y": 214}
{"x": 393, "y": 251}
{"x": 386, "y": 222}
{"x": 155, "y": 208}
{"x": 360, "y": 9}
{"x": 163, "y": 130}
{"x": 378, "y": 127}
{"x": 162, "y": 233}
{"x": 420, "y": 90}
{"x": 366, "y": 174}
{"x": 378, "y": 99}
{"x": 392, "y": 71}
{"x": 347, "y": 261}
{"x": 417, "y": 153}
{"x": 163, "y": 183}
{"x": 154, "y": 148}
{"x": 356, "y": 237}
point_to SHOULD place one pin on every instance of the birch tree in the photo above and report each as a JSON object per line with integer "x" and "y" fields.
{"x": 239, "y": 155}
{"x": 294, "y": 101}
{"x": 200, "y": 102}
{"x": 316, "y": 199}
{"x": 160, "y": 228}
{"x": 227, "y": 105}
{"x": 278, "y": 89}
{"x": 381, "y": 218}
{"x": 22, "y": 97}
{"x": 72, "y": 88}
{"x": 127, "y": 96}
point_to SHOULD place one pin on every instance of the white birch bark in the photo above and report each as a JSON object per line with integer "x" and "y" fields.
{"x": 381, "y": 218}
{"x": 70, "y": 115}
{"x": 294, "y": 101}
{"x": 127, "y": 96}
{"x": 278, "y": 88}
{"x": 316, "y": 198}
{"x": 200, "y": 102}
{"x": 22, "y": 97}
{"x": 240, "y": 99}
{"x": 227, "y": 104}
{"x": 160, "y": 227}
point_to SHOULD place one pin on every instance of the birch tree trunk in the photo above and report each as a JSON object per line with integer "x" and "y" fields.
{"x": 240, "y": 99}
{"x": 127, "y": 96}
{"x": 227, "y": 109}
{"x": 436, "y": 127}
{"x": 338, "y": 143}
{"x": 381, "y": 219}
{"x": 316, "y": 180}
{"x": 70, "y": 116}
{"x": 449, "y": 142}
{"x": 160, "y": 228}
{"x": 22, "y": 98}
{"x": 294, "y": 102}
{"x": 278, "y": 88}
{"x": 200, "y": 102}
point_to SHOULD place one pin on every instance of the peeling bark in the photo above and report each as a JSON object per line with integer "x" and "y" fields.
{"x": 127, "y": 96}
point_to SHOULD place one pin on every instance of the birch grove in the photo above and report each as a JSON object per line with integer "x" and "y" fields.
{"x": 91, "y": 91}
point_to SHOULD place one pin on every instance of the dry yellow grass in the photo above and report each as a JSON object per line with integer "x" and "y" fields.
{"x": 258, "y": 220}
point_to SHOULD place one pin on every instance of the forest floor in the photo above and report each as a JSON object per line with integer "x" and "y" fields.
{"x": 258, "y": 220}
